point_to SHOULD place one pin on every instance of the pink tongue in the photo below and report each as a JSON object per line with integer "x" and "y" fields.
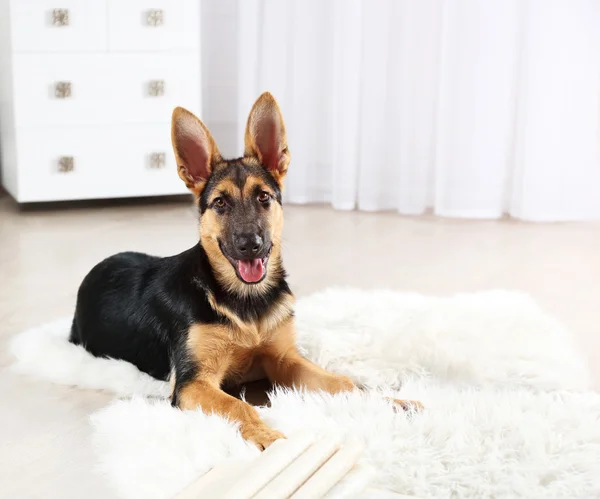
{"x": 251, "y": 270}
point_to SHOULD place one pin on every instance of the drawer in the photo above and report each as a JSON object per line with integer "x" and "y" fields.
{"x": 58, "y": 25}
{"x": 96, "y": 162}
{"x": 153, "y": 25}
{"x": 71, "y": 89}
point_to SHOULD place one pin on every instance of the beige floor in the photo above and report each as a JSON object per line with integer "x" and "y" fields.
{"x": 44, "y": 434}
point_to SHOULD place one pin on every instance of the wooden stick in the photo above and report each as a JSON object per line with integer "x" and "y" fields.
{"x": 332, "y": 471}
{"x": 297, "y": 467}
{"x": 269, "y": 464}
{"x": 294, "y": 475}
{"x": 215, "y": 482}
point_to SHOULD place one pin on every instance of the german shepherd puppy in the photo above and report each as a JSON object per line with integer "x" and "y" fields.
{"x": 222, "y": 311}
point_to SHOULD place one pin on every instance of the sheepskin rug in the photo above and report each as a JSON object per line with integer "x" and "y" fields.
{"x": 509, "y": 408}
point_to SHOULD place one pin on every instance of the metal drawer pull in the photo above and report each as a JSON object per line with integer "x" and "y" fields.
{"x": 60, "y": 17}
{"x": 62, "y": 89}
{"x": 66, "y": 164}
{"x": 155, "y": 17}
{"x": 156, "y": 88}
{"x": 157, "y": 160}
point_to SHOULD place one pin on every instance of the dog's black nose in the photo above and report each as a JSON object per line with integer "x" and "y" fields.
{"x": 248, "y": 245}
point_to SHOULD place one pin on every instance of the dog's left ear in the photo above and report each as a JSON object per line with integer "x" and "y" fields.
{"x": 265, "y": 137}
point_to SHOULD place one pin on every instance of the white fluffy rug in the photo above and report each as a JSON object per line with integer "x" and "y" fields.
{"x": 509, "y": 410}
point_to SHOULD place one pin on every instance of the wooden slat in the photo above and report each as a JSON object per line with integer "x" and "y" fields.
{"x": 332, "y": 471}
{"x": 299, "y": 470}
{"x": 268, "y": 465}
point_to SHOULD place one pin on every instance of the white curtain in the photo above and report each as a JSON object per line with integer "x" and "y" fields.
{"x": 471, "y": 108}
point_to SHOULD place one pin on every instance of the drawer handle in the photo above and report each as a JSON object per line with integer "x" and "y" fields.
{"x": 155, "y": 17}
{"x": 60, "y": 17}
{"x": 157, "y": 160}
{"x": 62, "y": 89}
{"x": 156, "y": 88}
{"x": 66, "y": 164}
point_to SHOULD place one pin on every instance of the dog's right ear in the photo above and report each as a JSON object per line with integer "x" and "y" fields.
{"x": 195, "y": 149}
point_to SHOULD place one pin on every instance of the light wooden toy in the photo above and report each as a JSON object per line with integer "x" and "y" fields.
{"x": 299, "y": 467}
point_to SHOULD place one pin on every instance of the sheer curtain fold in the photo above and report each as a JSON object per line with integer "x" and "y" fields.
{"x": 469, "y": 108}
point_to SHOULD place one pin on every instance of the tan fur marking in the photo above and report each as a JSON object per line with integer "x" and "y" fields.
{"x": 213, "y": 400}
{"x": 229, "y": 352}
{"x": 284, "y": 365}
{"x": 275, "y": 222}
{"x": 247, "y": 328}
{"x": 279, "y": 313}
{"x": 225, "y": 186}
{"x": 260, "y": 332}
{"x": 172, "y": 380}
{"x": 252, "y": 183}
{"x": 251, "y": 161}
{"x": 222, "y": 354}
{"x": 212, "y": 348}
{"x": 195, "y": 188}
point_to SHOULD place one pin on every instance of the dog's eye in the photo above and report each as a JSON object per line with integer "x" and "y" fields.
{"x": 263, "y": 197}
{"x": 219, "y": 203}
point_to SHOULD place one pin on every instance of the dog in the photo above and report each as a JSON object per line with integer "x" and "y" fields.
{"x": 222, "y": 311}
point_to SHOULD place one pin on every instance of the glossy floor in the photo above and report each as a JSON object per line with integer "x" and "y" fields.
{"x": 44, "y": 253}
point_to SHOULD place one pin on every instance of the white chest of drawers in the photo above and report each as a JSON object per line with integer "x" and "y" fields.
{"x": 87, "y": 88}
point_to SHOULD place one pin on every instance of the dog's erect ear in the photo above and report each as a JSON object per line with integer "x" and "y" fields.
{"x": 265, "y": 137}
{"x": 195, "y": 149}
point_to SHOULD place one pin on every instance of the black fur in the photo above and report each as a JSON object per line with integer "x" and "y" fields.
{"x": 139, "y": 308}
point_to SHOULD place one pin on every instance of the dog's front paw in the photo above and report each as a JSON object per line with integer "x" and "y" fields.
{"x": 408, "y": 405}
{"x": 261, "y": 435}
